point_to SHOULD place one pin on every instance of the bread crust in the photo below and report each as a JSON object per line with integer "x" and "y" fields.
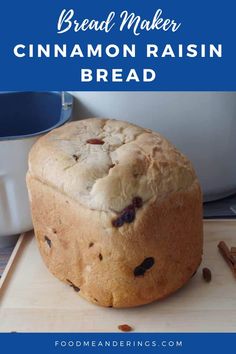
{"x": 130, "y": 161}
{"x": 97, "y": 260}
{"x": 81, "y": 177}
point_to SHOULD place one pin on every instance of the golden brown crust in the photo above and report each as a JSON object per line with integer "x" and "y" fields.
{"x": 86, "y": 252}
{"x": 77, "y": 186}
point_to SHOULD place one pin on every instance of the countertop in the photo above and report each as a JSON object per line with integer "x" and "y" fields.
{"x": 31, "y": 299}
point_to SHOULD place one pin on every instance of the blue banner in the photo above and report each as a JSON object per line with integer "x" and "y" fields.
{"x": 183, "y": 343}
{"x": 117, "y": 45}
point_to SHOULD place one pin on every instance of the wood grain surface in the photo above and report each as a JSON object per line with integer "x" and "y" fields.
{"x": 32, "y": 300}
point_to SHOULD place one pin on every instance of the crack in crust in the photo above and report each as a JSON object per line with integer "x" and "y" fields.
{"x": 143, "y": 163}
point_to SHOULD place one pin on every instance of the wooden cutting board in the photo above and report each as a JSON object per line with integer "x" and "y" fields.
{"x": 31, "y": 299}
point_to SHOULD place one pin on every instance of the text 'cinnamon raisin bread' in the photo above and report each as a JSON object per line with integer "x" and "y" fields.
{"x": 117, "y": 211}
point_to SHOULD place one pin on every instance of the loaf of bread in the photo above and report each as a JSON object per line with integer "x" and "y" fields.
{"x": 117, "y": 211}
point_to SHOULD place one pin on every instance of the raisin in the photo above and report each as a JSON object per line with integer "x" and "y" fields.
{"x": 129, "y": 207}
{"x": 128, "y": 216}
{"x": 148, "y": 263}
{"x": 144, "y": 266}
{"x": 139, "y": 271}
{"x": 137, "y": 202}
{"x": 76, "y": 288}
{"x": 206, "y": 273}
{"x": 95, "y": 141}
{"x": 100, "y": 257}
{"x": 75, "y": 157}
{"x": 49, "y": 242}
{"x": 125, "y": 328}
{"x": 91, "y": 244}
{"x": 118, "y": 222}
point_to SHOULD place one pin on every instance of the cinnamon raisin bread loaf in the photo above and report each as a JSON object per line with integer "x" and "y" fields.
{"x": 117, "y": 211}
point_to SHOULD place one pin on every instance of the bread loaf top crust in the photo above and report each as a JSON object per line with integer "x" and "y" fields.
{"x": 103, "y": 164}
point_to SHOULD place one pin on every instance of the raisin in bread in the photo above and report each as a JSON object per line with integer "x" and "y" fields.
{"x": 117, "y": 211}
